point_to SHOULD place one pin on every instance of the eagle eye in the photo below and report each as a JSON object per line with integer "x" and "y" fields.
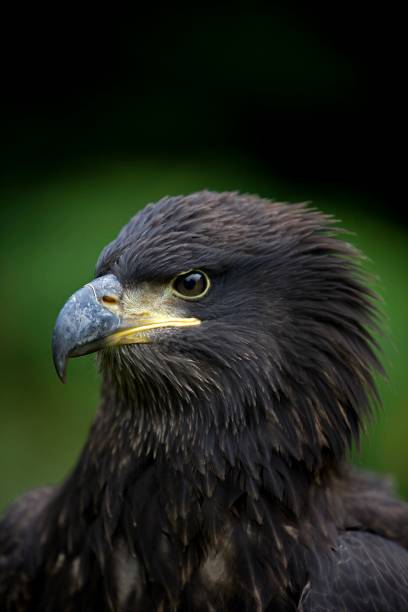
{"x": 191, "y": 285}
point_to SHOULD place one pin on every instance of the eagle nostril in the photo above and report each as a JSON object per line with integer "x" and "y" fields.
{"x": 109, "y": 299}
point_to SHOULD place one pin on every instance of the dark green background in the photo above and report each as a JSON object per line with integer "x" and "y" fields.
{"x": 98, "y": 121}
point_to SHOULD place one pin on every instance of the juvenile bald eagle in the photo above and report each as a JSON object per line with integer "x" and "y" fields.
{"x": 237, "y": 362}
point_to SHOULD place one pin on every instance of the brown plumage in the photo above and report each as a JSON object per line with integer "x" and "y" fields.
{"x": 215, "y": 474}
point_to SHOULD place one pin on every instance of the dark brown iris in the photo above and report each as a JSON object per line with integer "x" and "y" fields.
{"x": 191, "y": 285}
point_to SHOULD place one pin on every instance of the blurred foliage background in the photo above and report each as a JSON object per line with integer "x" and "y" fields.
{"x": 99, "y": 119}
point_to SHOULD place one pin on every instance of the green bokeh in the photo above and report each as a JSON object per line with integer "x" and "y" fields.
{"x": 51, "y": 234}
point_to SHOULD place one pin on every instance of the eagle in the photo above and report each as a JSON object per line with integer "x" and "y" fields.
{"x": 235, "y": 339}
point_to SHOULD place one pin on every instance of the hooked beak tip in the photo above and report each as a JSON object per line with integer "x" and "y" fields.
{"x": 60, "y": 362}
{"x": 62, "y": 374}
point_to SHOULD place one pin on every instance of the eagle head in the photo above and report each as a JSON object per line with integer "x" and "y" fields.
{"x": 220, "y": 312}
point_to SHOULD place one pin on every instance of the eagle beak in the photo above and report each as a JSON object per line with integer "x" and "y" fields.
{"x": 93, "y": 318}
